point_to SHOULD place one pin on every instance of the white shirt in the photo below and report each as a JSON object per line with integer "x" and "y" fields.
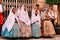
{"x": 43, "y": 15}
{"x": 52, "y": 14}
{"x": 1, "y": 10}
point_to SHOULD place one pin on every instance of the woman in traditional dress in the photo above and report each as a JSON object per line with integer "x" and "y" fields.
{"x": 35, "y": 20}
{"x": 24, "y": 22}
{"x": 53, "y": 16}
{"x": 1, "y": 16}
{"x": 11, "y": 26}
{"x": 48, "y": 26}
{"x": 42, "y": 14}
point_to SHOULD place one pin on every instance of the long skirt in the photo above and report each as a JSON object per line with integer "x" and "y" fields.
{"x": 36, "y": 30}
{"x": 48, "y": 29}
{"x": 42, "y": 27}
{"x": 1, "y": 21}
{"x": 1, "y": 18}
{"x": 25, "y": 30}
{"x": 13, "y": 33}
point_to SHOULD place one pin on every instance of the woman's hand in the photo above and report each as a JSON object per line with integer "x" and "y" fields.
{"x": 53, "y": 17}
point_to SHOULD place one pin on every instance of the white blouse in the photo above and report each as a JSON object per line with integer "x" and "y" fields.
{"x": 1, "y": 10}
{"x": 52, "y": 14}
{"x": 43, "y": 15}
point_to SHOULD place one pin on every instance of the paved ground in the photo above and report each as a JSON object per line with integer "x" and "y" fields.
{"x": 56, "y": 38}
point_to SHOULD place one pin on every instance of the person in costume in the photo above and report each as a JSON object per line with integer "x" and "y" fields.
{"x": 48, "y": 26}
{"x": 11, "y": 27}
{"x": 42, "y": 14}
{"x": 1, "y": 15}
{"x": 36, "y": 22}
{"x": 24, "y": 22}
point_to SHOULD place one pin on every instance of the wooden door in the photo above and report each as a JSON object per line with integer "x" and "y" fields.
{"x": 58, "y": 14}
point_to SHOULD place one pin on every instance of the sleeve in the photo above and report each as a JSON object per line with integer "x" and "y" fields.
{"x": 49, "y": 15}
{"x": 55, "y": 15}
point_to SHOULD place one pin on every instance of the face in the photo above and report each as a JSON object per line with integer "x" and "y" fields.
{"x": 14, "y": 10}
{"x": 41, "y": 7}
{"x": 37, "y": 7}
{"x": 51, "y": 8}
{"x": 0, "y": 1}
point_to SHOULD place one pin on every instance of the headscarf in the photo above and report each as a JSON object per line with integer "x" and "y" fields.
{"x": 24, "y": 16}
{"x": 9, "y": 22}
{"x": 22, "y": 8}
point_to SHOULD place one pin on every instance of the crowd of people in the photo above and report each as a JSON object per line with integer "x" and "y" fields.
{"x": 18, "y": 23}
